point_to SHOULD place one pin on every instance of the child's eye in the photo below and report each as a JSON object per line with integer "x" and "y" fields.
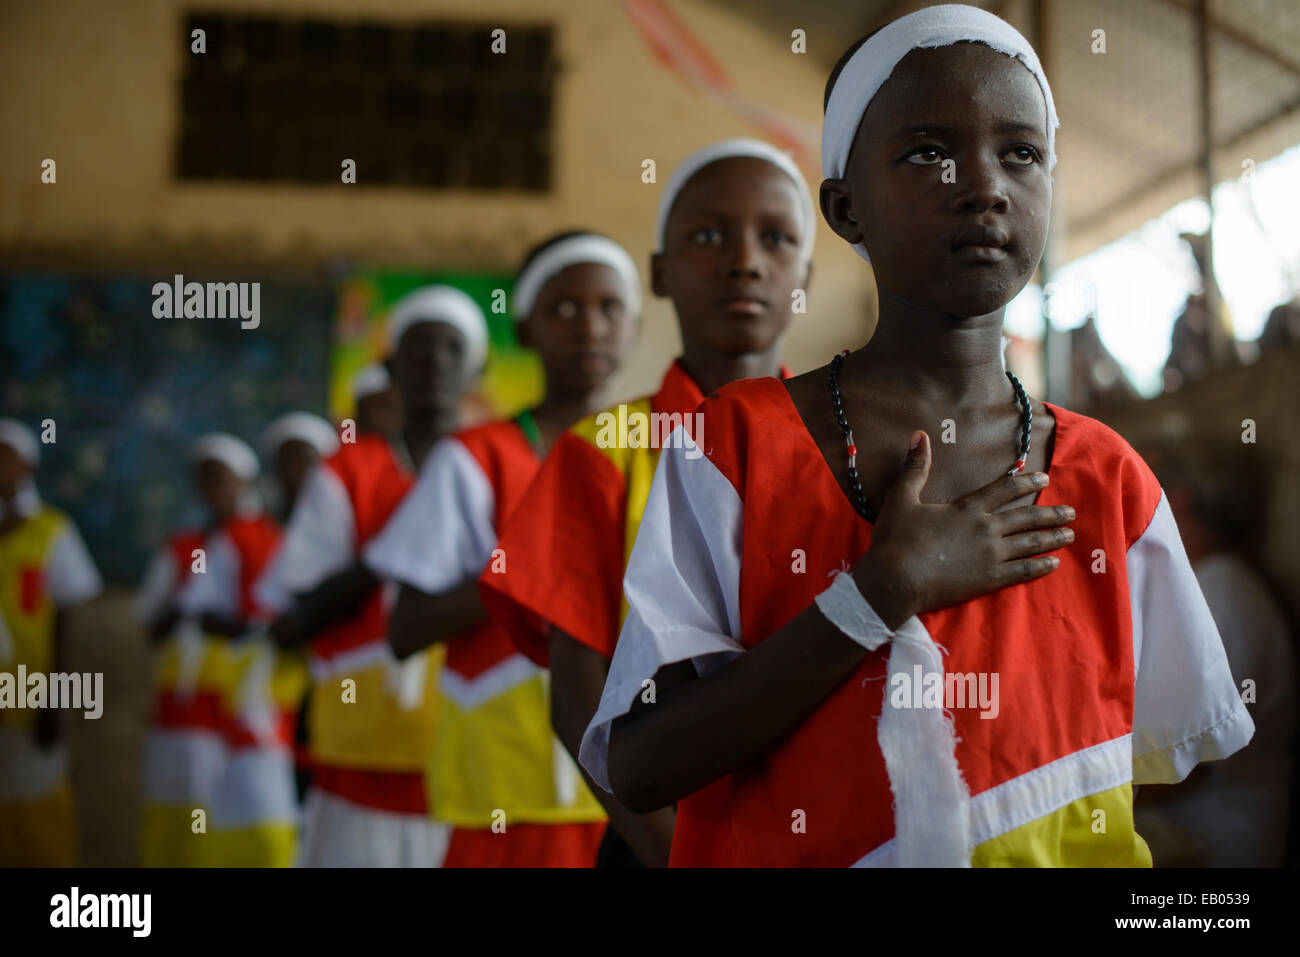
{"x": 777, "y": 237}
{"x": 706, "y": 236}
{"x": 566, "y": 309}
{"x": 1023, "y": 155}
{"x": 926, "y": 156}
{"x": 613, "y": 308}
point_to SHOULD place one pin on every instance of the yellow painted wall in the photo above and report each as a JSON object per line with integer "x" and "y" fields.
{"x": 94, "y": 85}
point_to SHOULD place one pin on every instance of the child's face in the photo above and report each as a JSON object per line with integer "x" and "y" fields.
{"x": 293, "y": 460}
{"x": 983, "y": 111}
{"x": 219, "y": 487}
{"x": 731, "y": 256}
{"x": 581, "y": 327}
{"x": 429, "y": 368}
{"x": 380, "y": 412}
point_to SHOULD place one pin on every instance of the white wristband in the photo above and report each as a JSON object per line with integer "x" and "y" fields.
{"x": 845, "y": 608}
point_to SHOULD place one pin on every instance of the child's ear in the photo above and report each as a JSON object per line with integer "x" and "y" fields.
{"x": 837, "y": 208}
{"x": 658, "y": 279}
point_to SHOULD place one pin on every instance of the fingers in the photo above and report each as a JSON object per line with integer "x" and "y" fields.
{"x": 1029, "y": 517}
{"x": 1026, "y": 570}
{"x": 1035, "y": 543}
{"x": 916, "y": 470}
{"x": 1005, "y": 489}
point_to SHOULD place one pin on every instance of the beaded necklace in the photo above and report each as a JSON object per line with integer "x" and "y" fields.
{"x": 860, "y": 500}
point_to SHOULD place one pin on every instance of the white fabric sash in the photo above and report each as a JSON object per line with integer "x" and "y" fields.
{"x": 931, "y": 800}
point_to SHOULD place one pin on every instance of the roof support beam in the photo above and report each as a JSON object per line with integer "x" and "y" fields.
{"x": 1242, "y": 38}
{"x": 1162, "y": 176}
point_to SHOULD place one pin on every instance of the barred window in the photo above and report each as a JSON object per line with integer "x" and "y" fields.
{"x": 417, "y": 104}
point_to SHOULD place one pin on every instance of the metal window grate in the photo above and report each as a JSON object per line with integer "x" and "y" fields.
{"x": 425, "y": 105}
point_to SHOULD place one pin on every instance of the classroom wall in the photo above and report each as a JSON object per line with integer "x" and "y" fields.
{"x": 94, "y": 85}
{"x": 127, "y": 393}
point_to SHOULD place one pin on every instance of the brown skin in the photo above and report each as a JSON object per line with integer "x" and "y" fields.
{"x": 734, "y": 232}
{"x": 294, "y": 459}
{"x": 936, "y": 354}
{"x": 578, "y": 674}
{"x": 381, "y": 414}
{"x": 581, "y": 328}
{"x": 430, "y": 377}
{"x": 220, "y": 489}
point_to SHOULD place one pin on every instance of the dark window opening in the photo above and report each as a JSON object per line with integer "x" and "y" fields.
{"x": 425, "y": 105}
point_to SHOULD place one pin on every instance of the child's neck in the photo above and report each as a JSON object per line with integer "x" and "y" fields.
{"x": 557, "y": 411}
{"x": 711, "y": 370}
{"x": 422, "y": 432}
{"x": 936, "y": 357}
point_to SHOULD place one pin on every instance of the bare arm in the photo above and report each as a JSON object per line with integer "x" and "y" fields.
{"x": 221, "y": 626}
{"x": 163, "y": 625}
{"x": 420, "y": 619}
{"x": 577, "y": 678}
{"x": 922, "y": 557}
{"x": 337, "y": 598}
{"x": 656, "y": 753}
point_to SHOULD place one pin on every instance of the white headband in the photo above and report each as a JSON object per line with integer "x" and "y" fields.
{"x": 726, "y": 149}
{"x": 586, "y": 248}
{"x": 441, "y": 304}
{"x": 370, "y": 380}
{"x": 22, "y": 440}
{"x": 302, "y": 427}
{"x": 230, "y": 451}
{"x": 874, "y": 61}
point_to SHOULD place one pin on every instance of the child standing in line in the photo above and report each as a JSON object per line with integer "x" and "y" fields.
{"x": 194, "y": 735}
{"x": 294, "y": 443}
{"x": 734, "y": 241}
{"x": 45, "y": 570}
{"x": 511, "y": 792}
{"x": 371, "y": 718}
{"x": 809, "y": 596}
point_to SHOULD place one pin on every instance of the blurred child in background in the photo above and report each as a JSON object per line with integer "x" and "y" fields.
{"x": 45, "y": 570}
{"x": 371, "y": 718}
{"x": 293, "y": 444}
{"x": 498, "y": 775}
{"x": 197, "y": 599}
